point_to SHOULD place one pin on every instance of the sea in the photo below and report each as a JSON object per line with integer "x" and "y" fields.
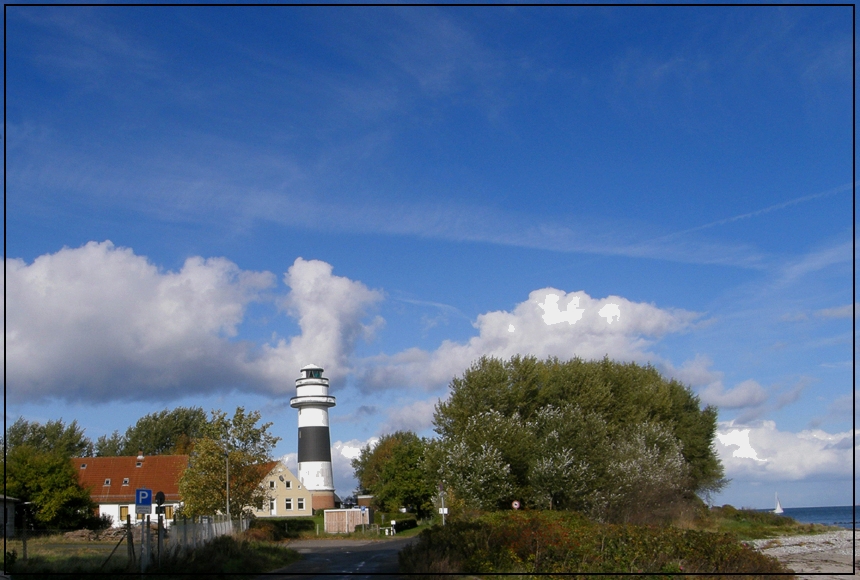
{"x": 839, "y": 515}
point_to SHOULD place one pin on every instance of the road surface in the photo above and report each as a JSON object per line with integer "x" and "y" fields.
{"x": 350, "y": 558}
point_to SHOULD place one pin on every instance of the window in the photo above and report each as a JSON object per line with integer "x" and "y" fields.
{"x": 107, "y": 481}
{"x": 289, "y": 484}
{"x": 139, "y": 464}
{"x": 288, "y": 504}
{"x": 272, "y": 506}
{"x": 271, "y": 484}
{"x": 125, "y": 481}
{"x": 301, "y": 503}
{"x": 83, "y": 465}
{"x": 123, "y": 512}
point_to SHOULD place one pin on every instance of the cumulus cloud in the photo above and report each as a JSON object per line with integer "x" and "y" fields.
{"x": 550, "y": 323}
{"x": 748, "y": 395}
{"x": 342, "y": 454}
{"x": 100, "y": 323}
{"x": 761, "y": 452}
{"x": 330, "y": 310}
{"x": 745, "y": 394}
{"x": 416, "y": 416}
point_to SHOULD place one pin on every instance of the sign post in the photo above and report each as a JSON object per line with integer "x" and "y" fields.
{"x": 143, "y": 507}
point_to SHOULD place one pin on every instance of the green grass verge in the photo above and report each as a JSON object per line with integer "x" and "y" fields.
{"x": 236, "y": 556}
{"x": 747, "y": 524}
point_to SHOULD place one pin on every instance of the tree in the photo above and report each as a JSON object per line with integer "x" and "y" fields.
{"x": 393, "y": 471}
{"x": 54, "y": 437}
{"x": 48, "y": 480}
{"x": 248, "y": 448}
{"x": 602, "y": 437}
{"x": 166, "y": 432}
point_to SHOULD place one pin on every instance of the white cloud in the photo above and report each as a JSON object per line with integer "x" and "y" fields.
{"x": 330, "y": 310}
{"x": 101, "y": 323}
{"x": 773, "y": 455}
{"x": 846, "y": 311}
{"x": 739, "y": 438}
{"x": 745, "y": 394}
{"x": 709, "y": 386}
{"x": 342, "y": 454}
{"x": 589, "y": 337}
{"x": 413, "y": 417}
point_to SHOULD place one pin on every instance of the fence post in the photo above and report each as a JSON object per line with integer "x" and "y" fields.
{"x": 24, "y": 532}
{"x": 160, "y": 536}
{"x": 129, "y": 538}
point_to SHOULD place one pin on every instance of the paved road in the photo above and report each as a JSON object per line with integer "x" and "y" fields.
{"x": 351, "y": 559}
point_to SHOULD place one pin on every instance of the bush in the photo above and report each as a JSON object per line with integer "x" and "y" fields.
{"x": 276, "y": 529}
{"x": 568, "y": 543}
{"x": 405, "y": 522}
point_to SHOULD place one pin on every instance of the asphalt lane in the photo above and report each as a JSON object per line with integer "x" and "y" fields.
{"x": 352, "y": 559}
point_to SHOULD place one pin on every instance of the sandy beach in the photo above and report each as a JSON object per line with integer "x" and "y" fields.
{"x": 832, "y": 552}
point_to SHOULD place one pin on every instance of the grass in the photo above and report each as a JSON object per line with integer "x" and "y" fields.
{"x": 567, "y": 543}
{"x": 234, "y": 555}
{"x": 747, "y": 524}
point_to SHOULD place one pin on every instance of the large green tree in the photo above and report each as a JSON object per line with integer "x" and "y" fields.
{"x": 243, "y": 444}
{"x": 53, "y": 436}
{"x": 37, "y": 470}
{"x": 166, "y": 432}
{"x": 616, "y": 440}
{"x": 393, "y": 471}
{"x": 48, "y": 480}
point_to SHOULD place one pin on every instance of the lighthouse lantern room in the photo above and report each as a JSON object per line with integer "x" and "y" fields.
{"x": 314, "y": 461}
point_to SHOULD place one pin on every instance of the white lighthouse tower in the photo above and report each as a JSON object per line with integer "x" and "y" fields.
{"x": 313, "y": 401}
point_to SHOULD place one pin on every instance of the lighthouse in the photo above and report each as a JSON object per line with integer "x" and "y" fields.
{"x": 313, "y": 401}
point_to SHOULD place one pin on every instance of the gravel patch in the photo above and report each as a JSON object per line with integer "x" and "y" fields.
{"x": 841, "y": 543}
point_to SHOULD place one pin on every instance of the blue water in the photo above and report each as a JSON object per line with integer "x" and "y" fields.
{"x": 840, "y": 515}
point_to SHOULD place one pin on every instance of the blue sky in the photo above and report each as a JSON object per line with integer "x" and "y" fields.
{"x": 202, "y": 200}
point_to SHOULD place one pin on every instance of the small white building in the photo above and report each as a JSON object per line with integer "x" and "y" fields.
{"x": 112, "y": 482}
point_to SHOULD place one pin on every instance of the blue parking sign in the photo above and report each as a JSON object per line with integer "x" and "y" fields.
{"x": 143, "y": 501}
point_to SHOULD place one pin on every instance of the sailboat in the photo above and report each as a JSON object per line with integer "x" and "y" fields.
{"x": 778, "y": 509}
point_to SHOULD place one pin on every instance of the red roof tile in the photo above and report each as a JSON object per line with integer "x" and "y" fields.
{"x": 157, "y": 472}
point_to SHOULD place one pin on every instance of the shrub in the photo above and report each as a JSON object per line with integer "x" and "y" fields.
{"x": 282, "y": 528}
{"x": 405, "y": 522}
{"x": 568, "y": 543}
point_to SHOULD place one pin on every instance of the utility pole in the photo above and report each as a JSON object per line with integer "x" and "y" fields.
{"x": 227, "y": 459}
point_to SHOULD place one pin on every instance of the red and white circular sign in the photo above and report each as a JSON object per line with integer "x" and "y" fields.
{"x": 516, "y": 505}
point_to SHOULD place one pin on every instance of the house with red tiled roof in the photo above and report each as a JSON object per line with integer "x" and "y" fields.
{"x": 112, "y": 482}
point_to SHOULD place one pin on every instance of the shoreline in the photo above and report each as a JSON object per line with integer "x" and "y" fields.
{"x": 827, "y": 553}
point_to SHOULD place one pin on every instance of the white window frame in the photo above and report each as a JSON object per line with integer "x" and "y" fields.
{"x": 300, "y": 503}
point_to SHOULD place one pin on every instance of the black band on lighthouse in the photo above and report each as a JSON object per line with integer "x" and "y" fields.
{"x": 314, "y": 444}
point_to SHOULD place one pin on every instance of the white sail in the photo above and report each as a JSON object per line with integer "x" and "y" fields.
{"x": 778, "y": 509}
